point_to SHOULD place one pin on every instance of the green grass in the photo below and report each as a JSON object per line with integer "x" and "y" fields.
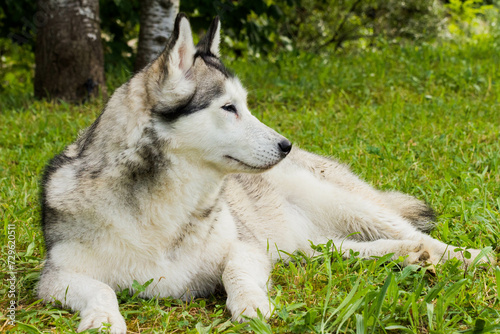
{"x": 424, "y": 120}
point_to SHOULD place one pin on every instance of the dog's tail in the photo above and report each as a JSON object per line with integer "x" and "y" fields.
{"x": 420, "y": 214}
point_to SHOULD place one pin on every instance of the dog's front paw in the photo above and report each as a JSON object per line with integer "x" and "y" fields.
{"x": 99, "y": 318}
{"x": 246, "y": 308}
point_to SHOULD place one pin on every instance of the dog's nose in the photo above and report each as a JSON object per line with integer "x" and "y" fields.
{"x": 285, "y": 146}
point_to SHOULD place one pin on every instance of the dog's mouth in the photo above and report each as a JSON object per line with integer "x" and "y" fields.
{"x": 247, "y": 165}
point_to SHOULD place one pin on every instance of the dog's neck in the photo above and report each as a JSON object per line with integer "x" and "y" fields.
{"x": 181, "y": 191}
{"x": 181, "y": 197}
{"x": 196, "y": 186}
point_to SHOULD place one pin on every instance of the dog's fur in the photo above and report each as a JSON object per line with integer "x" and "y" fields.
{"x": 176, "y": 181}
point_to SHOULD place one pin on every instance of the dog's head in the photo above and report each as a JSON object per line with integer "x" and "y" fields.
{"x": 200, "y": 108}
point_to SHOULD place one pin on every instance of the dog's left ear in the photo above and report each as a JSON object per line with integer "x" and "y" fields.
{"x": 211, "y": 41}
{"x": 181, "y": 51}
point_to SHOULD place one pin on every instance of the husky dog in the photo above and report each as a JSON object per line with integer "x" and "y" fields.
{"x": 177, "y": 182}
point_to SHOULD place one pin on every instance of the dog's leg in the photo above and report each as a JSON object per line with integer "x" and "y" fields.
{"x": 340, "y": 213}
{"x": 95, "y": 300}
{"x": 415, "y": 250}
{"x": 389, "y": 226}
{"x": 403, "y": 239}
{"x": 350, "y": 214}
{"x": 415, "y": 211}
{"x": 245, "y": 279}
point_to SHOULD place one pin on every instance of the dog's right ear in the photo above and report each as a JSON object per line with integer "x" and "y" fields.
{"x": 181, "y": 48}
{"x": 210, "y": 42}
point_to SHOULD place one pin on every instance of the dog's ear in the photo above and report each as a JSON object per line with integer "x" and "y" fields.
{"x": 171, "y": 71}
{"x": 181, "y": 48}
{"x": 210, "y": 42}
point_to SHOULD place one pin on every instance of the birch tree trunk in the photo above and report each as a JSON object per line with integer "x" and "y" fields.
{"x": 69, "y": 55}
{"x": 157, "y": 20}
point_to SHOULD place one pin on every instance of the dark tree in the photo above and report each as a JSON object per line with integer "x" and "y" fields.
{"x": 157, "y": 19}
{"x": 68, "y": 54}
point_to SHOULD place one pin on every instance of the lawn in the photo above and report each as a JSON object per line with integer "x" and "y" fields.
{"x": 423, "y": 120}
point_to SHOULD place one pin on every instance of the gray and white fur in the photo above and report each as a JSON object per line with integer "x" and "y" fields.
{"x": 177, "y": 182}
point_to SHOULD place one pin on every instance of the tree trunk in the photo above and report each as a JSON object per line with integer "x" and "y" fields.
{"x": 69, "y": 55}
{"x": 157, "y": 20}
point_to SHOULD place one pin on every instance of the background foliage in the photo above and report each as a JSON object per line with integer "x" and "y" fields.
{"x": 269, "y": 26}
{"x": 259, "y": 28}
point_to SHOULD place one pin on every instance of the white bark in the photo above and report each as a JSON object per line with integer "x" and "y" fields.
{"x": 157, "y": 23}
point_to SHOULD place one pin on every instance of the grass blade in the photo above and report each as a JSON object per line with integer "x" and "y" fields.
{"x": 380, "y": 300}
{"x": 454, "y": 289}
{"x": 343, "y": 304}
{"x": 360, "y": 324}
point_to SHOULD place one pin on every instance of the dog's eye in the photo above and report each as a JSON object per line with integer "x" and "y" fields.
{"x": 230, "y": 108}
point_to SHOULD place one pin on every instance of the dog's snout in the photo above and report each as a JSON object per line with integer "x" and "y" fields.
{"x": 285, "y": 146}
